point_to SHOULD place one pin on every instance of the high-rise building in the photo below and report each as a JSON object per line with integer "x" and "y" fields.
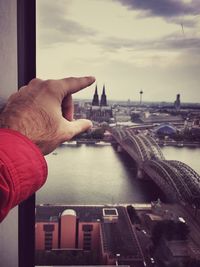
{"x": 177, "y": 103}
{"x": 95, "y": 101}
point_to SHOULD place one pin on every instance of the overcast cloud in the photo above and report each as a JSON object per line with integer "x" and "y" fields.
{"x": 129, "y": 45}
{"x": 55, "y": 27}
{"x": 164, "y": 8}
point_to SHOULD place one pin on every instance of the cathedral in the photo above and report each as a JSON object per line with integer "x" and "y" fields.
{"x": 100, "y": 111}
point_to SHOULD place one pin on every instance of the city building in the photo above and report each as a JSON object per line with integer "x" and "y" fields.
{"x": 165, "y": 130}
{"x": 170, "y": 248}
{"x": 147, "y": 117}
{"x": 104, "y": 231}
{"x": 175, "y": 251}
{"x": 122, "y": 114}
{"x": 177, "y": 103}
{"x": 99, "y": 110}
{"x": 80, "y": 110}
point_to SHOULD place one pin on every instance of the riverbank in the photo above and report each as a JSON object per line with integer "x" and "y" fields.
{"x": 178, "y": 144}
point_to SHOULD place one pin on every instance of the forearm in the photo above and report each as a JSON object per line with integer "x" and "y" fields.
{"x": 23, "y": 169}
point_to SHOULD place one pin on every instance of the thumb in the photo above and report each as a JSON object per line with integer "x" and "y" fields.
{"x": 75, "y": 127}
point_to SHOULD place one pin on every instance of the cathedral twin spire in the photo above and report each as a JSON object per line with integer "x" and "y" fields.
{"x": 103, "y": 101}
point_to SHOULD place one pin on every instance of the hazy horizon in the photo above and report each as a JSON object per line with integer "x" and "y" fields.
{"x": 135, "y": 101}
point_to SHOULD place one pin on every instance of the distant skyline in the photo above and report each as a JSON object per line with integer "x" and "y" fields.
{"x": 128, "y": 45}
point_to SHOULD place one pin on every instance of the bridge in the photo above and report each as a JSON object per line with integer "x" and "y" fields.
{"x": 178, "y": 181}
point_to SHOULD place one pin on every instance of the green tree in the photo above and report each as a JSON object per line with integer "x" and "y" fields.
{"x": 98, "y": 133}
{"x": 170, "y": 230}
{"x": 192, "y": 263}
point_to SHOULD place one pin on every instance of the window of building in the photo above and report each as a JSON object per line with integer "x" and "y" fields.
{"x": 48, "y": 240}
{"x": 87, "y": 228}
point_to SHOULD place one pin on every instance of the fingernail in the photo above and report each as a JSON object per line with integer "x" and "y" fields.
{"x": 91, "y": 77}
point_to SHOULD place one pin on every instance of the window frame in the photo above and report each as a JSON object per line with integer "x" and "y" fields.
{"x": 26, "y": 57}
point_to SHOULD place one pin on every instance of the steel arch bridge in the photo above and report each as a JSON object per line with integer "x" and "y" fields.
{"x": 140, "y": 147}
{"x": 177, "y": 180}
{"x": 189, "y": 177}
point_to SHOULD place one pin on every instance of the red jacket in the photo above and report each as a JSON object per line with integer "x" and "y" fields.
{"x": 23, "y": 169}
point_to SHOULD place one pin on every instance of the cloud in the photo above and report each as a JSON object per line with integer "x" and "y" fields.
{"x": 164, "y": 8}
{"x": 186, "y": 22}
{"x": 170, "y": 42}
{"x": 55, "y": 27}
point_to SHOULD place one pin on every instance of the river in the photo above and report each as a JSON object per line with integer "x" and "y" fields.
{"x": 98, "y": 174}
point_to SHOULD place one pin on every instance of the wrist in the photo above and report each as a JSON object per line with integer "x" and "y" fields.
{"x": 3, "y": 123}
{"x": 9, "y": 121}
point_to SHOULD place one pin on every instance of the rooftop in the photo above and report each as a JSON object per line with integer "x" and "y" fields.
{"x": 161, "y": 118}
{"x": 69, "y": 212}
{"x": 154, "y": 217}
{"x": 110, "y": 212}
{"x": 84, "y": 213}
{"x": 178, "y": 248}
{"x": 118, "y": 237}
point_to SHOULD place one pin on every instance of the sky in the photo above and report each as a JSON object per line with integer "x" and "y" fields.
{"x": 128, "y": 45}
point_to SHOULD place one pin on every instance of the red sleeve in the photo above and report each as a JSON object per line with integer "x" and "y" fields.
{"x": 23, "y": 169}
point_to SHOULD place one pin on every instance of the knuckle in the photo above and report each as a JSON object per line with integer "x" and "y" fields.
{"x": 50, "y": 85}
{"x": 34, "y": 81}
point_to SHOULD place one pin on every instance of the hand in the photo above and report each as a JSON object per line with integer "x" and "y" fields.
{"x": 43, "y": 111}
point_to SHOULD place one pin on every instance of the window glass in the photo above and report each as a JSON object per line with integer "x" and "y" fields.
{"x": 110, "y": 190}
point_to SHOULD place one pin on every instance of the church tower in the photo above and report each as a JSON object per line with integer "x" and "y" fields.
{"x": 103, "y": 101}
{"x": 95, "y": 101}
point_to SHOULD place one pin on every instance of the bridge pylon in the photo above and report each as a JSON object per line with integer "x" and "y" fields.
{"x": 119, "y": 148}
{"x": 140, "y": 173}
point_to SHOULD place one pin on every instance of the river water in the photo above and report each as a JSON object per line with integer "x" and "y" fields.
{"x": 98, "y": 174}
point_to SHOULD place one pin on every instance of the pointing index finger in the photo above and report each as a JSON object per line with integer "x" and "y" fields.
{"x": 72, "y": 85}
